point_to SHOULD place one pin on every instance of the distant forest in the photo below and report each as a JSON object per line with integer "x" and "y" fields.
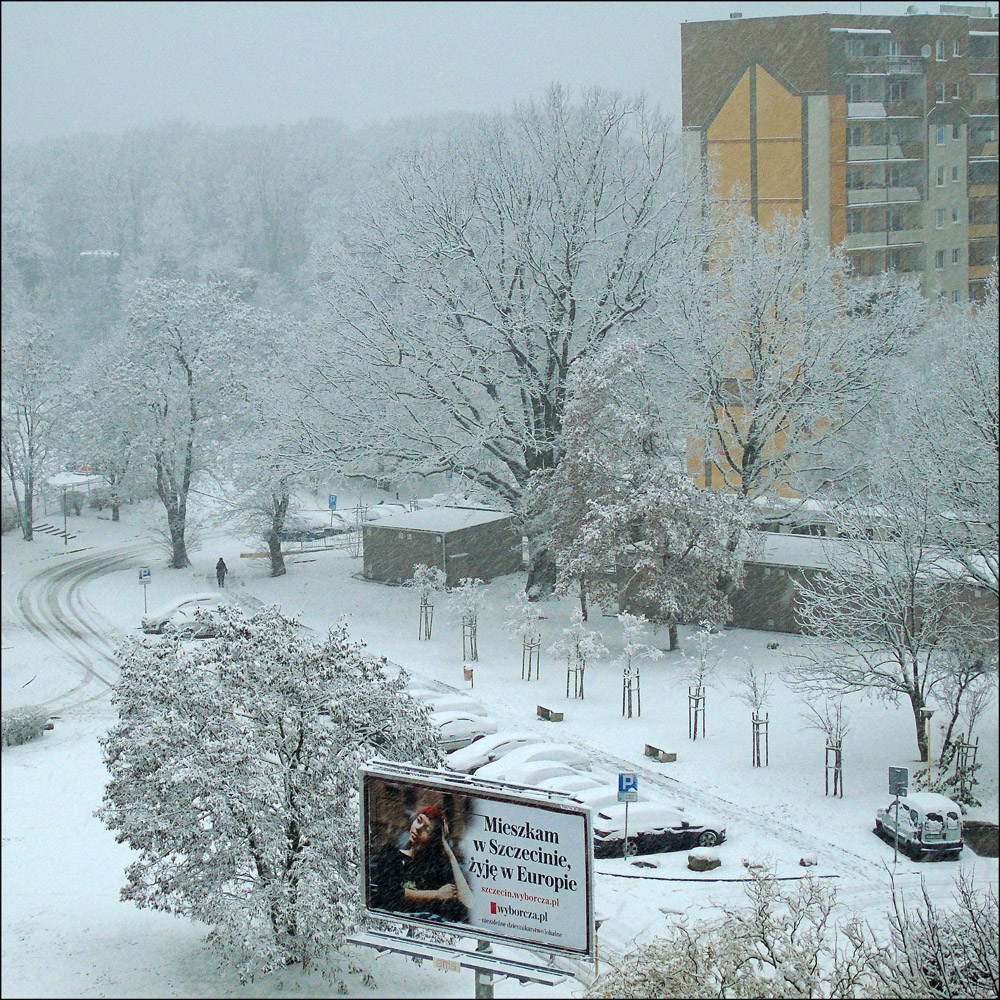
{"x": 86, "y": 218}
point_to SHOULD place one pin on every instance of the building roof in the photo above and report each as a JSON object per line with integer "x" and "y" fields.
{"x": 441, "y": 519}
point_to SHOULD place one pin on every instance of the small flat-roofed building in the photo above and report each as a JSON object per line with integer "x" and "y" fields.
{"x": 462, "y": 541}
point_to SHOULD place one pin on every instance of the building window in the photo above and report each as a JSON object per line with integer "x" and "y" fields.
{"x": 939, "y": 216}
{"x": 940, "y": 177}
{"x": 855, "y": 136}
{"x": 855, "y": 180}
{"x": 855, "y": 222}
{"x": 954, "y": 215}
{"x": 940, "y": 135}
{"x": 939, "y": 93}
{"x": 972, "y": 92}
{"x": 894, "y": 260}
{"x": 955, "y": 178}
{"x": 855, "y": 92}
{"x": 897, "y": 91}
{"x": 893, "y": 48}
{"x": 956, "y": 256}
{"x": 955, "y": 91}
{"x": 939, "y": 259}
{"x": 956, "y": 48}
{"x": 956, "y": 297}
{"x": 894, "y": 220}
{"x": 892, "y": 177}
{"x": 956, "y": 131}
{"x": 939, "y": 50}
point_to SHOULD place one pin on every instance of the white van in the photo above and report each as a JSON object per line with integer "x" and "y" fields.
{"x": 928, "y": 824}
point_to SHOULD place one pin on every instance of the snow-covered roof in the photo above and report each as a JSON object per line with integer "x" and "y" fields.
{"x": 61, "y": 479}
{"x": 930, "y": 802}
{"x": 441, "y": 518}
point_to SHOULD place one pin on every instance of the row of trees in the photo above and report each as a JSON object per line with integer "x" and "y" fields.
{"x": 540, "y": 303}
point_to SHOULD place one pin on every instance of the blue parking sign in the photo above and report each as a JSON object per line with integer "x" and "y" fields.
{"x": 628, "y": 786}
{"x": 332, "y": 500}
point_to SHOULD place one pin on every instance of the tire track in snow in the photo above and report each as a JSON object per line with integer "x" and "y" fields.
{"x": 54, "y": 606}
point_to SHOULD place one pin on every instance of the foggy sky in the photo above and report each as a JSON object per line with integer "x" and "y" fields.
{"x": 106, "y": 67}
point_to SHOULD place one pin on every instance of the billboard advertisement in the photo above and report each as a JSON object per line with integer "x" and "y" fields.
{"x": 444, "y": 850}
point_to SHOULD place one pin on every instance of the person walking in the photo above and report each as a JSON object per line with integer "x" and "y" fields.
{"x": 220, "y": 571}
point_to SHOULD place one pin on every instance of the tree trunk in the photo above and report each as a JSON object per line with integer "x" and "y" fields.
{"x": 27, "y": 512}
{"x": 541, "y": 575}
{"x": 916, "y": 703}
{"x": 116, "y": 511}
{"x": 583, "y": 598}
{"x": 674, "y": 643}
{"x": 178, "y": 546}
{"x": 277, "y": 556}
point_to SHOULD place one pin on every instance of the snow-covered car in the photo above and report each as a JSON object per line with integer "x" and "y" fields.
{"x": 560, "y": 753}
{"x": 529, "y": 772}
{"x": 489, "y": 749}
{"x": 929, "y": 823}
{"x": 447, "y": 701}
{"x": 179, "y": 617}
{"x": 652, "y": 829}
{"x": 460, "y": 729}
{"x": 571, "y": 783}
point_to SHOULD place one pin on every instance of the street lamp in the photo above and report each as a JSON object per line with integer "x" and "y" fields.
{"x": 65, "y": 523}
{"x": 925, "y": 718}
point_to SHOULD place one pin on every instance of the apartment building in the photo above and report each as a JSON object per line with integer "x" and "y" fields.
{"x": 882, "y": 128}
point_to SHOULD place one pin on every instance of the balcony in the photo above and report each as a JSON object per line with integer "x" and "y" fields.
{"x": 865, "y": 110}
{"x": 864, "y": 154}
{"x": 982, "y": 150}
{"x": 904, "y": 109}
{"x": 881, "y": 195}
{"x": 881, "y": 240}
{"x": 886, "y": 66}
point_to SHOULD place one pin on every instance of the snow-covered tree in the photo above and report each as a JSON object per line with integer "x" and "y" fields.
{"x": 466, "y": 600}
{"x": 781, "y": 355}
{"x": 948, "y": 427}
{"x": 107, "y": 429}
{"x": 495, "y": 259}
{"x": 883, "y": 613}
{"x": 427, "y": 581}
{"x": 524, "y": 617}
{"x": 33, "y": 396}
{"x": 580, "y": 646}
{"x": 626, "y": 525}
{"x": 234, "y": 775}
{"x": 185, "y": 359}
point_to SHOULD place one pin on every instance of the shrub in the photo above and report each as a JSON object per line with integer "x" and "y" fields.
{"x": 23, "y": 724}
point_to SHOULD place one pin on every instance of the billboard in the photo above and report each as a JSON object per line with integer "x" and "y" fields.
{"x": 476, "y": 857}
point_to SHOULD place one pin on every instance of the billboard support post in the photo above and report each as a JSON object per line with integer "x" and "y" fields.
{"x": 484, "y": 980}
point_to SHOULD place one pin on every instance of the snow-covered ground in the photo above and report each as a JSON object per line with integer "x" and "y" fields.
{"x": 65, "y": 932}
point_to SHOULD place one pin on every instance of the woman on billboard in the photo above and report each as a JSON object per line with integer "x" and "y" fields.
{"x": 423, "y": 878}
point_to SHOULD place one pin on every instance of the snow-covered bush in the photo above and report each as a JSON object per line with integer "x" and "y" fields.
{"x": 23, "y": 724}
{"x": 234, "y": 775}
{"x": 793, "y": 944}
{"x": 778, "y": 945}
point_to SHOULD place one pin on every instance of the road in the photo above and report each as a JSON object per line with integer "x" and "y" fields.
{"x": 54, "y": 606}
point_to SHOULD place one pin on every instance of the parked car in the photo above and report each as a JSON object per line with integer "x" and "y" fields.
{"x": 562, "y": 753}
{"x": 179, "y": 617}
{"x": 526, "y": 772}
{"x": 459, "y": 729}
{"x": 928, "y": 824}
{"x": 447, "y": 701}
{"x": 652, "y": 829}
{"x": 488, "y": 749}
{"x": 572, "y": 783}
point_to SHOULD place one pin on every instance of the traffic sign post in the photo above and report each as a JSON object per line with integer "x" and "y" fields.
{"x": 144, "y": 578}
{"x": 899, "y": 780}
{"x": 628, "y": 791}
{"x": 332, "y": 501}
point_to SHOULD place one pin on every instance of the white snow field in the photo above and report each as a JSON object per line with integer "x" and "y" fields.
{"x": 66, "y": 933}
